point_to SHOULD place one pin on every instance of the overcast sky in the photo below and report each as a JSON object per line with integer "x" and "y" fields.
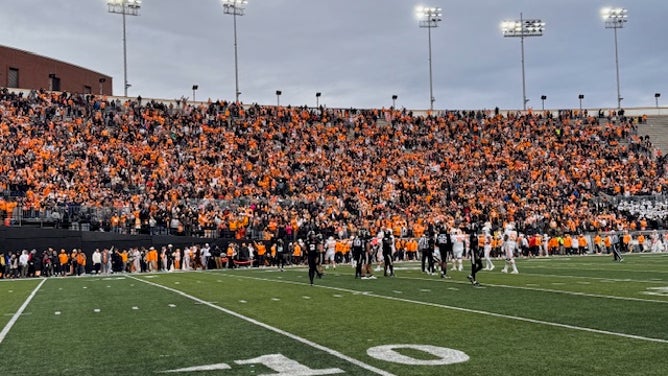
{"x": 358, "y": 53}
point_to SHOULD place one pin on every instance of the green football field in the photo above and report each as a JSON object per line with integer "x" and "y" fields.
{"x": 559, "y": 316}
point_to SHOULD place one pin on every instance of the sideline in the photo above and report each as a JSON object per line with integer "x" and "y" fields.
{"x": 467, "y": 310}
{"x": 18, "y": 313}
{"x": 273, "y": 329}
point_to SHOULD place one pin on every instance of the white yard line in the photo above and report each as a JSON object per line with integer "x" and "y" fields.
{"x": 574, "y": 293}
{"x": 597, "y": 268}
{"x": 593, "y": 278}
{"x": 18, "y": 313}
{"x": 486, "y": 313}
{"x": 305, "y": 341}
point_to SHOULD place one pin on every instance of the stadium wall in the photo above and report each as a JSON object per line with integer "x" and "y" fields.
{"x": 26, "y": 70}
{"x": 19, "y": 238}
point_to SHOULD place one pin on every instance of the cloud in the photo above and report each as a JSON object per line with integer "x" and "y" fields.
{"x": 357, "y": 53}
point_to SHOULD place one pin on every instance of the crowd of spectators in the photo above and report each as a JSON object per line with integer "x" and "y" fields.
{"x": 251, "y": 171}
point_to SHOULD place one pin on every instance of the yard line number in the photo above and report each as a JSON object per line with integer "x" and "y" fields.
{"x": 285, "y": 366}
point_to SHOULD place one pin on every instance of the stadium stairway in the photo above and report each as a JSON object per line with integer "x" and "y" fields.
{"x": 657, "y": 130}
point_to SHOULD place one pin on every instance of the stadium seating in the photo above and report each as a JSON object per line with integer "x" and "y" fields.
{"x": 259, "y": 171}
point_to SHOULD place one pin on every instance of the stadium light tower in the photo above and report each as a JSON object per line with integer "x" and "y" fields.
{"x": 614, "y": 19}
{"x": 317, "y": 99}
{"x": 195, "y": 87}
{"x": 278, "y": 97}
{"x": 542, "y": 99}
{"x": 124, "y": 8}
{"x": 429, "y": 19}
{"x": 235, "y": 8}
{"x": 394, "y": 101}
{"x": 521, "y": 29}
{"x": 581, "y": 97}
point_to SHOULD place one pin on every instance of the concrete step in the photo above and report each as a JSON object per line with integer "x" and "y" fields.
{"x": 657, "y": 130}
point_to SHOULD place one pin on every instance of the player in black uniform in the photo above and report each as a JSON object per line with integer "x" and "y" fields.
{"x": 312, "y": 254}
{"x": 358, "y": 249}
{"x": 444, "y": 243}
{"x": 387, "y": 247}
{"x": 426, "y": 248}
{"x": 476, "y": 257}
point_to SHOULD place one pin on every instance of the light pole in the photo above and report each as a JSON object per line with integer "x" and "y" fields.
{"x": 520, "y": 29}
{"x": 429, "y": 18}
{"x": 278, "y": 97}
{"x": 235, "y": 8}
{"x": 124, "y": 8}
{"x": 581, "y": 97}
{"x": 394, "y": 101}
{"x": 614, "y": 19}
{"x": 317, "y": 99}
{"x": 542, "y": 99}
{"x": 195, "y": 87}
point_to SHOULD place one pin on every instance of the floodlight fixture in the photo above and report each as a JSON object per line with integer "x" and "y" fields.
{"x": 523, "y": 28}
{"x": 429, "y": 17}
{"x": 124, "y": 8}
{"x": 614, "y": 18}
{"x": 520, "y": 29}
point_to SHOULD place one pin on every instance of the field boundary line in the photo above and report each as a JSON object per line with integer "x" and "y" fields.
{"x": 19, "y": 312}
{"x": 575, "y": 293}
{"x": 297, "y": 338}
{"x": 468, "y": 310}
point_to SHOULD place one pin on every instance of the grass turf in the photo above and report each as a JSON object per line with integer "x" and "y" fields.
{"x": 579, "y": 315}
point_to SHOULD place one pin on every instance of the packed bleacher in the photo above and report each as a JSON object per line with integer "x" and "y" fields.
{"x": 223, "y": 169}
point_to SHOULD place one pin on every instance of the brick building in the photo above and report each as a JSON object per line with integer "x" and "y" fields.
{"x": 26, "y": 70}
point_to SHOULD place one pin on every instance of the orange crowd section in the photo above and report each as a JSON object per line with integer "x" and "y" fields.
{"x": 290, "y": 167}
